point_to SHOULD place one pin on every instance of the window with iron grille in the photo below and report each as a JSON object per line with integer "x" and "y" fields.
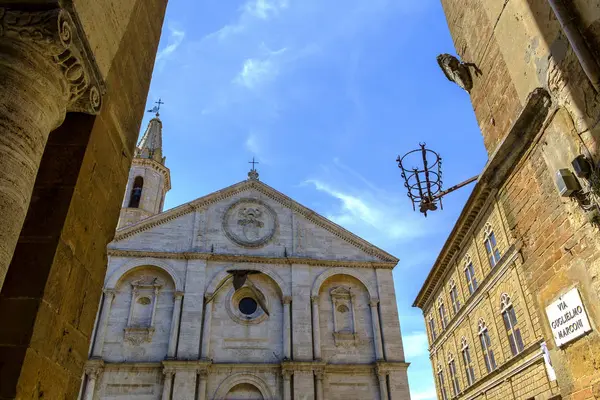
{"x": 441, "y": 383}
{"x": 432, "y": 328}
{"x": 442, "y": 311}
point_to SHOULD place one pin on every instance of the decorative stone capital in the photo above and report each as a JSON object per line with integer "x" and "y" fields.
{"x": 373, "y": 302}
{"x": 58, "y": 37}
{"x": 287, "y": 375}
{"x": 315, "y": 299}
{"x": 319, "y": 375}
{"x": 287, "y": 299}
{"x": 93, "y": 368}
{"x": 178, "y": 295}
{"x": 168, "y": 372}
{"x": 110, "y": 292}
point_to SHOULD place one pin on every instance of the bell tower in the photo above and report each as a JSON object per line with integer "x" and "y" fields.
{"x": 149, "y": 179}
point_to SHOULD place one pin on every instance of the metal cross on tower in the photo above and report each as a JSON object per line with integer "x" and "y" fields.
{"x": 156, "y": 108}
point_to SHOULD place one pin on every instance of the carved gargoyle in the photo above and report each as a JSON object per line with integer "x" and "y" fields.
{"x": 456, "y": 71}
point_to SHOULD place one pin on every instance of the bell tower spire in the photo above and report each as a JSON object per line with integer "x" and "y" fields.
{"x": 149, "y": 178}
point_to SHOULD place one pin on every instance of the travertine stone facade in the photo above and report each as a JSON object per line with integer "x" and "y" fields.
{"x": 75, "y": 76}
{"x": 171, "y": 324}
{"x": 535, "y": 66}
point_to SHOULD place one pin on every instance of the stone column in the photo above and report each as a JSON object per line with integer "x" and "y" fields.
{"x": 174, "y": 325}
{"x": 45, "y": 72}
{"x": 92, "y": 377}
{"x": 383, "y": 392}
{"x": 168, "y": 384}
{"x": 287, "y": 330}
{"x": 203, "y": 376}
{"x": 316, "y": 328}
{"x": 376, "y": 329}
{"x": 319, "y": 385}
{"x": 287, "y": 385}
{"x": 109, "y": 296}
{"x": 206, "y": 329}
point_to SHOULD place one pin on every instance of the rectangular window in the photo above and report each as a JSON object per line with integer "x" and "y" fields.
{"x": 454, "y": 378}
{"x": 468, "y": 366}
{"x": 432, "y": 329}
{"x": 488, "y": 353}
{"x": 442, "y": 310}
{"x": 441, "y": 383}
{"x": 471, "y": 280}
{"x": 491, "y": 248}
{"x": 514, "y": 333}
{"x": 454, "y": 299}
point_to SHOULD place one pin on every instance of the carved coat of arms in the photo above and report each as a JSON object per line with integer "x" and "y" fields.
{"x": 249, "y": 222}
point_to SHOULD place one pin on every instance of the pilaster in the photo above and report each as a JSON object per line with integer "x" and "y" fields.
{"x": 301, "y": 310}
{"x": 390, "y": 323}
{"x": 192, "y": 311}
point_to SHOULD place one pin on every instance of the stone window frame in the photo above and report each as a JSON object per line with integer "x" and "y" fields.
{"x": 341, "y": 296}
{"x": 132, "y": 203}
{"x": 453, "y": 375}
{"x": 441, "y": 382}
{"x": 469, "y": 270}
{"x": 442, "y": 312}
{"x": 454, "y": 299}
{"x": 232, "y": 306}
{"x": 486, "y": 346}
{"x": 135, "y": 333}
{"x": 432, "y": 328}
{"x": 491, "y": 245}
{"x": 513, "y": 332}
{"x": 467, "y": 361}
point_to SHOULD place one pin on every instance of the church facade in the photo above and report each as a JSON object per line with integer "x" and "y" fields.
{"x": 240, "y": 294}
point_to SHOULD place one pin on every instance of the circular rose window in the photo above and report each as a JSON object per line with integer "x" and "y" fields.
{"x": 243, "y": 308}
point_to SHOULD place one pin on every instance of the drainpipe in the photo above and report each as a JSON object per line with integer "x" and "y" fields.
{"x": 575, "y": 38}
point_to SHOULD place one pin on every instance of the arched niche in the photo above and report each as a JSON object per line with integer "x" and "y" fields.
{"x": 223, "y": 274}
{"x": 342, "y": 271}
{"x": 243, "y": 383}
{"x": 116, "y": 276}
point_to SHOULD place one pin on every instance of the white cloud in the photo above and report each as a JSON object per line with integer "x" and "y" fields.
{"x": 415, "y": 345}
{"x": 368, "y": 208}
{"x": 429, "y": 394}
{"x": 255, "y": 71}
{"x": 264, "y": 9}
{"x": 175, "y": 38}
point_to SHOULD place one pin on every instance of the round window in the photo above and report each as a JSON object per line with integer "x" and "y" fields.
{"x": 247, "y": 306}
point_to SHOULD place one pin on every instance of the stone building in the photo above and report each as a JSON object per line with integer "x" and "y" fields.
{"x": 74, "y": 79}
{"x": 512, "y": 302}
{"x": 314, "y": 318}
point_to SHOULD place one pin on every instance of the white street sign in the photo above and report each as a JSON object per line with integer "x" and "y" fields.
{"x": 567, "y": 318}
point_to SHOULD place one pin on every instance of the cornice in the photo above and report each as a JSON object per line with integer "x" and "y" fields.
{"x": 501, "y": 164}
{"x": 269, "y": 192}
{"x": 249, "y": 259}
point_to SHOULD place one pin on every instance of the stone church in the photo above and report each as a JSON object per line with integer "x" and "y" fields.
{"x": 240, "y": 294}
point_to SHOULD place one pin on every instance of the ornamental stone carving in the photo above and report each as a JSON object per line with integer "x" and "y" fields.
{"x": 55, "y": 35}
{"x": 249, "y": 223}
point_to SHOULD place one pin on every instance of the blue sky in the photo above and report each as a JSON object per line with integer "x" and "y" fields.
{"x": 325, "y": 94}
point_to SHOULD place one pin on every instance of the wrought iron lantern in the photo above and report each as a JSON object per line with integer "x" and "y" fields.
{"x": 423, "y": 179}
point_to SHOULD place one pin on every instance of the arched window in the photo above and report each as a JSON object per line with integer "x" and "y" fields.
{"x": 454, "y": 297}
{"x": 453, "y": 375}
{"x": 491, "y": 247}
{"x": 432, "y": 328}
{"x": 440, "y": 374}
{"x": 510, "y": 323}
{"x": 442, "y": 311}
{"x": 466, "y": 355}
{"x": 486, "y": 347}
{"x": 136, "y": 192}
{"x": 470, "y": 274}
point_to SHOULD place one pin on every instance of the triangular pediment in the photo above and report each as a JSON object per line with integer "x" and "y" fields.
{"x": 249, "y": 218}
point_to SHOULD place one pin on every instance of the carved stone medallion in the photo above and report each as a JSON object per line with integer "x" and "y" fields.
{"x": 249, "y": 223}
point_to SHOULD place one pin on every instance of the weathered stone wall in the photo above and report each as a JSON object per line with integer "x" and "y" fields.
{"x": 54, "y": 282}
{"x": 518, "y": 46}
